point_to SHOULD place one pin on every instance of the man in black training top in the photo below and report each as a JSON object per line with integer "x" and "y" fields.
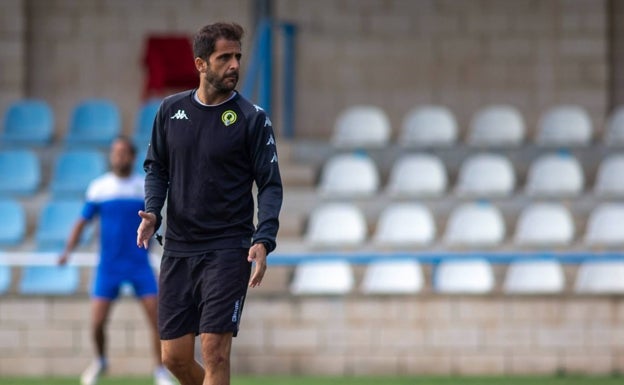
{"x": 208, "y": 146}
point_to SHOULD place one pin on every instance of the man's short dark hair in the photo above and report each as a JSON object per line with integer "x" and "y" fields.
{"x": 205, "y": 39}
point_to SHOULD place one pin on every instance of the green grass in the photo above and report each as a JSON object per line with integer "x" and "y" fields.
{"x": 275, "y": 380}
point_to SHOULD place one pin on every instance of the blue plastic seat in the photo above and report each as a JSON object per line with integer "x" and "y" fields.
{"x": 56, "y": 222}
{"x": 12, "y": 222}
{"x": 49, "y": 280}
{"x": 145, "y": 121}
{"x": 138, "y": 162}
{"x": 28, "y": 122}
{"x": 20, "y": 172}
{"x": 5, "y": 277}
{"x": 74, "y": 170}
{"x": 94, "y": 122}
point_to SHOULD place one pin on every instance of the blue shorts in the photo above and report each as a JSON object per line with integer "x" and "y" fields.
{"x": 107, "y": 283}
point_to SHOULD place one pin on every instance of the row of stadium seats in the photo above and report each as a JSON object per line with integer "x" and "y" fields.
{"x": 470, "y": 225}
{"x": 93, "y": 122}
{"x": 347, "y": 175}
{"x": 491, "y": 126}
{"x": 383, "y": 276}
{"x": 72, "y": 170}
{"x": 340, "y": 226}
{"x": 51, "y": 229}
{"x": 97, "y": 121}
{"x": 482, "y": 174}
{"x": 455, "y": 276}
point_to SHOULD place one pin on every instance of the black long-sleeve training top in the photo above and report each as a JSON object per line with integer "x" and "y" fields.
{"x": 204, "y": 160}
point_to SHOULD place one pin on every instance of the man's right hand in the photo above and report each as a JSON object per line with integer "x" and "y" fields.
{"x": 63, "y": 258}
{"x": 146, "y": 228}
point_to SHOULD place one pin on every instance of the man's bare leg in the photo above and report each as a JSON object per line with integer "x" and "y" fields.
{"x": 216, "y": 350}
{"x": 178, "y": 356}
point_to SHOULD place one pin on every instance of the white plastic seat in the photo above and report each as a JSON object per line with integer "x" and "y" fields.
{"x": 478, "y": 224}
{"x": 361, "y": 126}
{"x": 496, "y": 125}
{"x": 469, "y": 276}
{"x": 544, "y": 224}
{"x": 486, "y": 175}
{"x": 534, "y": 277}
{"x": 610, "y": 176}
{"x": 429, "y": 126}
{"x": 614, "y": 135}
{"x": 393, "y": 277}
{"x": 336, "y": 225}
{"x": 556, "y": 175}
{"x": 417, "y": 175}
{"x": 605, "y": 226}
{"x": 405, "y": 225}
{"x": 349, "y": 175}
{"x": 322, "y": 277}
{"x": 564, "y": 125}
{"x": 600, "y": 277}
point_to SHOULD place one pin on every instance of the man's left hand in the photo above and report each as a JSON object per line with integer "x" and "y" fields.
{"x": 257, "y": 254}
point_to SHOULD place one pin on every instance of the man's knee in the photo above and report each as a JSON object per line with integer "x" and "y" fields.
{"x": 176, "y": 362}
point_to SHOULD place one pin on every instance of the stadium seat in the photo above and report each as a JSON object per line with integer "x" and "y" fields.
{"x": 94, "y": 122}
{"x": 496, "y": 125}
{"x": 429, "y": 126}
{"x": 543, "y": 224}
{"x": 600, "y": 277}
{"x": 74, "y": 170}
{"x": 138, "y": 162}
{"x": 5, "y": 278}
{"x": 555, "y": 175}
{"x": 404, "y": 225}
{"x": 49, "y": 280}
{"x": 20, "y": 171}
{"x": 361, "y": 127}
{"x": 610, "y": 177}
{"x": 534, "y": 277}
{"x": 326, "y": 277}
{"x": 12, "y": 222}
{"x": 605, "y": 226}
{"x": 55, "y": 222}
{"x": 28, "y": 122}
{"x": 478, "y": 224}
{"x": 385, "y": 276}
{"x": 144, "y": 122}
{"x": 614, "y": 133}
{"x": 336, "y": 225}
{"x": 565, "y": 125}
{"x": 463, "y": 276}
{"x": 417, "y": 175}
{"x": 349, "y": 175}
{"x": 486, "y": 175}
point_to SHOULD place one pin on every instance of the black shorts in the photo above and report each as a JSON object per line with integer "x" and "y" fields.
{"x": 203, "y": 293}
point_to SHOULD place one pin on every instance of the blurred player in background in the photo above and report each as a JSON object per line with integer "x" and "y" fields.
{"x": 116, "y": 197}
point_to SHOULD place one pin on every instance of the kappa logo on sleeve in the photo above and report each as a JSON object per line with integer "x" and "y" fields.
{"x": 267, "y": 122}
{"x": 180, "y": 115}
{"x": 271, "y": 141}
{"x": 274, "y": 158}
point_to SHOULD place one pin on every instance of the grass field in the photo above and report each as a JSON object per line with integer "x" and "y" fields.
{"x": 564, "y": 380}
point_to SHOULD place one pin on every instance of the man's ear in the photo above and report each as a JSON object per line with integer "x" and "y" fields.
{"x": 200, "y": 64}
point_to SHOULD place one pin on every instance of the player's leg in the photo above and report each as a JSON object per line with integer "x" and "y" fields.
{"x": 100, "y": 308}
{"x": 179, "y": 358}
{"x": 224, "y": 277}
{"x": 105, "y": 291}
{"x": 216, "y": 349}
{"x": 178, "y": 319}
